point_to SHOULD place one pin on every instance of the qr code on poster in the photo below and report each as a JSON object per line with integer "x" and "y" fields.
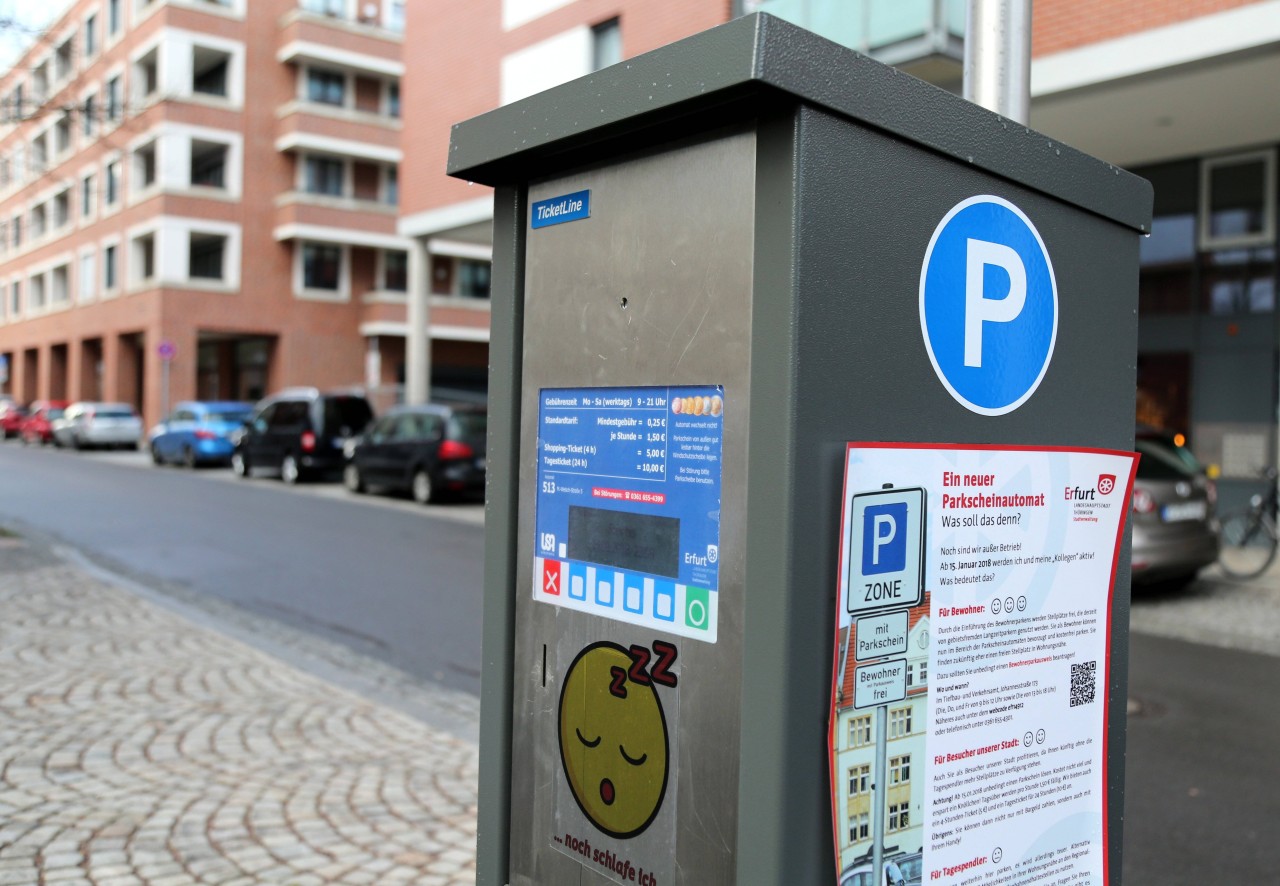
{"x": 1084, "y": 682}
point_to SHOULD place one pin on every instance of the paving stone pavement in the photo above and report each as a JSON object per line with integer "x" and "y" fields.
{"x": 137, "y": 747}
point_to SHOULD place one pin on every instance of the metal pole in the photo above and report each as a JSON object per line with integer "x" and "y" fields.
{"x": 997, "y": 57}
{"x": 879, "y": 792}
{"x": 164, "y": 390}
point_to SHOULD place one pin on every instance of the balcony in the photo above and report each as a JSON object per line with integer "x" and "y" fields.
{"x": 357, "y": 45}
{"x": 301, "y": 215}
{"x": 924, "y": 38}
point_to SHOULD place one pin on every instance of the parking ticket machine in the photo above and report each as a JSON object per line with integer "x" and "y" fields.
{"x": 707, "y": 282}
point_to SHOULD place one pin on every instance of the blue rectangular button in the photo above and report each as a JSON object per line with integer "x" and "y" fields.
{"x": 558, "y": 210}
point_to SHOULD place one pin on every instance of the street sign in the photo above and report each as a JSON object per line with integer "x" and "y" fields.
{"x": 166, "y": 350}
{"x": 884, "y": 550}
{"x": 883, "y": 682}
{"x": 988, "y": 305}
{"x": 4, "y": 369}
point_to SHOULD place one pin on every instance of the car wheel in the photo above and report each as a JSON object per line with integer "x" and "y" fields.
{"x": 351, "y": 478}
{"x": 189, "y": 458}
{"x": 290, "y": 473}
{"x": 240, "y": 464}
{"x": 155, "y": 456}
{"x": 76, "y": 444}
{"x": 423, "y": 489}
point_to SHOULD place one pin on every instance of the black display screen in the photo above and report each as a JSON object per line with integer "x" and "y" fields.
{"x": 638, "y": 542}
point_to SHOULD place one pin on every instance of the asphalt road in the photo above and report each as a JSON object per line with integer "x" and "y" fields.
{"x": 402, "y": 584}
{"x": 390, "y": 579}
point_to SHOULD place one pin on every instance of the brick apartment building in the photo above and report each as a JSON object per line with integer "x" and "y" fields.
{"x": 219, "y": 177}
{"x": 1180, "y": 91}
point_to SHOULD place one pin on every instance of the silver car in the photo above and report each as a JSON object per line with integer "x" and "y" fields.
{"x": 1175, "y": 532}
{"x": 87, "y": 424}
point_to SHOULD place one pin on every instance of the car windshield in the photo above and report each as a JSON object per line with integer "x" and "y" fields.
{"x": 1164, "y": 460}
{"x": 112, "y": 412}
{"x": 910, "y": 867}
{"x": 231, "y": 418}
{"x": 54, "y": 413}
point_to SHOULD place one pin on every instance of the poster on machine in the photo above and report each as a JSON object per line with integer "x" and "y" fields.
{"x": 967, "y": 738}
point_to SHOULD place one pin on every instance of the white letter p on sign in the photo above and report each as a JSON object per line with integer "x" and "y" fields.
{"x": 881, "y": 537}
{"x": 979, "y": 309}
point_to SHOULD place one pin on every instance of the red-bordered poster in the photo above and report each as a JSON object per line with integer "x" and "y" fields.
{"x": 967, "y": 738}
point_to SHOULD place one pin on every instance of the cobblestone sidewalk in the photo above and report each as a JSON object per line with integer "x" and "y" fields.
{"x": 139, "y": 748}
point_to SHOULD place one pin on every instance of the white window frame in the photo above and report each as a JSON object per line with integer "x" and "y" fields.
{"x": 1265, "y": 237}
{"x": 104, "y": 244}
{"x": 87, "y": 283}
{"x": 109, "y": 37}
{"x": 107, "y": 208}
{"x": 341, "y": 294}
{"x": 87, "y": 138}
{"x": 380, "y": 276}
{"x": 348, "y": 87}
{"x": 87, "y": 172}
{"x": 99, "y": 33}
{"x": 348, "y": 176}
{"x": 116, "y": 72}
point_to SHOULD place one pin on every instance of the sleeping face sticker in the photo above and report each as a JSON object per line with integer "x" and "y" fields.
{"x": 613, "y": 741}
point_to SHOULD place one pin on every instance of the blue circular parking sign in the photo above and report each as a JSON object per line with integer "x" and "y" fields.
{"x": 988, "y": 305}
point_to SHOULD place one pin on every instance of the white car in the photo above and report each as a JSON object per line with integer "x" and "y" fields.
{"x": 98, "y": 424}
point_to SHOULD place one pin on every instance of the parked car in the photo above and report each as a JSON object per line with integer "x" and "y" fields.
{"x": 198, "y": 432}
{"x": 11, "y": 417}
{"x": 86, "y": 424}
{"x": 425, "y": 450}
{"x": 37, "y": 427}
{"x": 1175, "y": 532}
{"x": 300, "y": 432}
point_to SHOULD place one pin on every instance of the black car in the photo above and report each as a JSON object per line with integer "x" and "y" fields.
{"x": 300, "y": 432}
{"x": 426, "y": 450}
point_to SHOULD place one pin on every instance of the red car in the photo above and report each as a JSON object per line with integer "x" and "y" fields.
{"x": 11, "y": 418}
{"x": 37, "y": 427}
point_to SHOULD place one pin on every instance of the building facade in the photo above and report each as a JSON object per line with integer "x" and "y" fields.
{"x": 199, "y": 198}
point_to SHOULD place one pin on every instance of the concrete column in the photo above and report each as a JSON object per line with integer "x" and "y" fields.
{"x": 417, "y": 374}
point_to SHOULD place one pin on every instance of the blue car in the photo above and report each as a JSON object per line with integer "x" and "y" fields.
{"x": 198, "y": 433}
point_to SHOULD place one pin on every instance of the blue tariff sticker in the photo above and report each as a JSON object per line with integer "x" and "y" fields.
{"x": 628, "y": 505}
{"x": 988, "y": 305}
{"x": 558, "y": 210}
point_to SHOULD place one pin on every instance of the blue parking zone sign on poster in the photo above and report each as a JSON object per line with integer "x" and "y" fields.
{"x": 988, "y": 305}
{"x": 886, "y": 547}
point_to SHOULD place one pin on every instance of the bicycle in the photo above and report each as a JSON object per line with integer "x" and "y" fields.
{"x": 1248, "y": 538}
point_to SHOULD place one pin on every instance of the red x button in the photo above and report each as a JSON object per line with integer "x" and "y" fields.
{"x": 551, "y": 577}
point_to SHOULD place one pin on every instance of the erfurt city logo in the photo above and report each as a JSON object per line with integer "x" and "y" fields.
{"x": 1106, "y": 483}
{"x": 1075, "y": 493}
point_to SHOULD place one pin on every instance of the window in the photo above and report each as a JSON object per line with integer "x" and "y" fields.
{"x": 924, "y": 672}
{"x": 109, "y": 268}
{"x": 208, "y": 164}
{"x": 146, "y": 75}
{"x": 321, "y": 266}
{"x": 62, "y": 134}
{"x": 326, "y": 87}
{"x": 114, "y": 109}
{"x": 899, "y": 818}
{"x": 39, "y": 154}
{"x": 334, "y": 8}
{"x": 60, "y": 292}
{"x": 35, "y": 293}
{"x": 859, "y": 779}
{"x": 91, "y": 36}
{"x": 40, "y": 83}
{"x": 39, "y": 220}
{"x": 205, "y": 256}
{"x": 113, "y": 182}
{"x": 393, "y": 99}
{"x": 62, "y": 207}
{"x": 1238, "y": 200}
{"x": 859, "y": 827}
{"x": 900, "y": 769}
{"x": 142, "y": 261}
{"x": 88, "y": 276}
{"x": 87, "y": 194}
{"x": 900, "y": 722}
{"x": 64, "y": 60}
{"x": 860, "y": 731}
{"x": 606, "y": 44}
{"x": 89, "y": 116}
{"x": 395, "y": 271}
{"x": 394, "y": 15}
{"x": 391, "y": 190}
{"x": 209, "y": 71}
{"x": 15, "y": 298}
{"x": 323, "y": 175}
{"x": 144, "y": 167}
{"x": 473, "y": 278}
{"x": 17, "y": 231}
